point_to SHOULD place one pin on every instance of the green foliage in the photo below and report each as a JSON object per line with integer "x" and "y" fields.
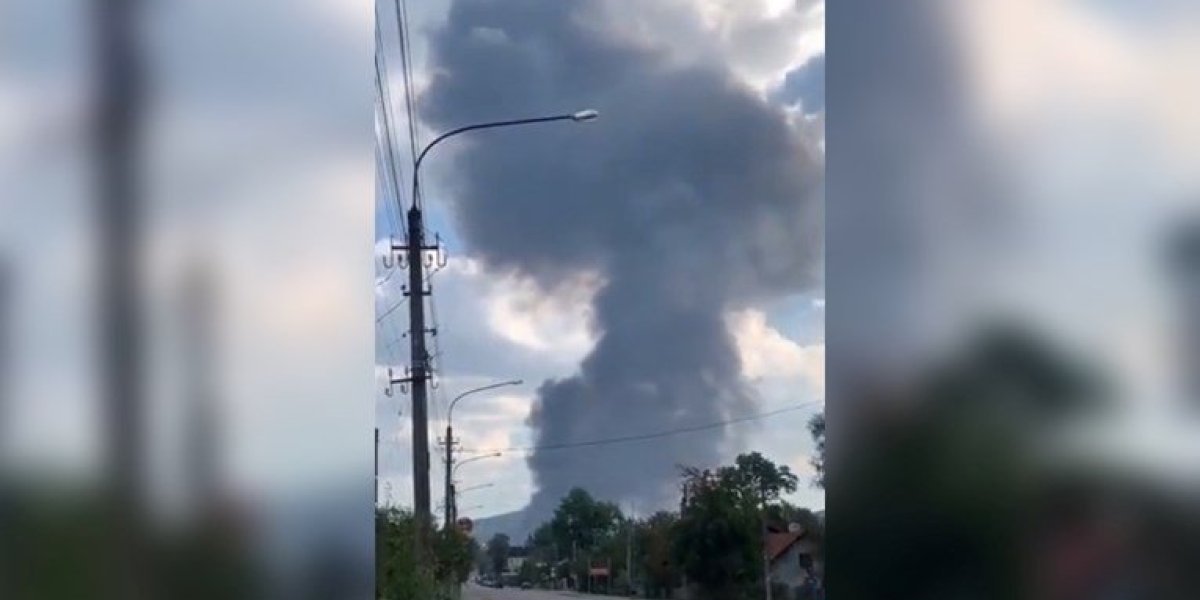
{"x": 452, "y": 550}
{"x": 716, "y": 541}
{"x": 581, "y": 522}
{"x": 58, "y": 542}
{"x": 584, "y": 528}
{"x": 542, "y": 545}
{"x": 653, "y": 543}
{"x": 933, "y": 497}
{"x": 756, "y": 480}
{"x": 397, "y": 574}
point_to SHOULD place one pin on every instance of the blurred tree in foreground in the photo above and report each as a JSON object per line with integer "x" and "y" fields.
{"x": 56, "y": 542}
{"x": 933, "y": 490}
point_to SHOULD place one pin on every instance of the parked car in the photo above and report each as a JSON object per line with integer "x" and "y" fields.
{"x": 525, "y": 585}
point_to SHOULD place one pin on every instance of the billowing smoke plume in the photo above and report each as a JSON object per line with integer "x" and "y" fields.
{"x": 691, "y": 196}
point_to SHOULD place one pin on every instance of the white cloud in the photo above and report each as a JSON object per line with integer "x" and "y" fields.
{"x": 556, "y": 322}
{"x": 767, "y": 353}
{"x": 759, "y": 40}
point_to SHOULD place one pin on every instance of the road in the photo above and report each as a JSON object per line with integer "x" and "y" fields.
{"x": 474, "y": 592}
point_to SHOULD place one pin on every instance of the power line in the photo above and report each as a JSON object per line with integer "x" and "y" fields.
{"x": 656, "y": 435}
{"x": 389, "y": 311}
{"x": 381, "y": 165}
{"x": 385, "y": 97}
{"x": 401, "y": 10}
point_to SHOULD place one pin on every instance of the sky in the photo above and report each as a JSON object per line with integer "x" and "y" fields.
{"x": 503, "y": 316}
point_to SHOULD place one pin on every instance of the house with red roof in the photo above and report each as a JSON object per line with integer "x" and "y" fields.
{"x": 794, "y": 559}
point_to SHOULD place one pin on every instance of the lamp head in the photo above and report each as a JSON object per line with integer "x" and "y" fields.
{"x": 585, "y": 115}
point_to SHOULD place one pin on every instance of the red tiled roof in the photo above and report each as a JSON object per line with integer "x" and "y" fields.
{"x": 778, "y": 543}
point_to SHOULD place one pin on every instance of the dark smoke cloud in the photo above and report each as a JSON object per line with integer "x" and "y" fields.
{"x": 691, "y": 196}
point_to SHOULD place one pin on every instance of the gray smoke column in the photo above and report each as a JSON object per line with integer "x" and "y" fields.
{"x": 691, "y": 196}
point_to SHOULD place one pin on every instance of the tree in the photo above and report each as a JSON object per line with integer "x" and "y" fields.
{"x": 719, "y": 538}
{"x": 816, "y": 427}
{"x": 452, "y": 551}
{"x": 716, "y": 539}
{"x": 582, "y": 526}
{"x": 653, "y": 543}
{"x": 934, "y": 500}
{"x": 397, "y": 574}
{"x": 758, "y": 480}
{"x": 497, "y": 550}
{"x": 581, "y": 522}
{"x": 542, "y": 545}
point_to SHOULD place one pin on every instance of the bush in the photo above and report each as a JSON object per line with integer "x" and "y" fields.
{"x": 397, "y": 574}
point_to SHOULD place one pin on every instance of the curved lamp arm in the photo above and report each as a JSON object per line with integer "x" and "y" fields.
{"x": 578, "y": 117}
{"x": 473, "y": 459}
{"x": 450, "y": 411}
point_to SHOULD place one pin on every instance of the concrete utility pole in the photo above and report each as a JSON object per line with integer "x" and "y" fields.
{"x": 418, "y": 371}
{"x": 418, "y": 377}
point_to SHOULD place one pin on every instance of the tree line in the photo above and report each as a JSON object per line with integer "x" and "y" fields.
{"x": 712, "y": 546}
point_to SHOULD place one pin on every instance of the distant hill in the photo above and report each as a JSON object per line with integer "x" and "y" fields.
{"x": 514, "y": 524}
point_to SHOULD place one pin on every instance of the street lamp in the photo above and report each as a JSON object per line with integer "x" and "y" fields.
{"x": 460, "y": 492}
{"x": 586, "y": 115}
{"x": 449, "y": 486}
{"x": 457, "y": 492}
{"x": 475, "y": 487}
{"x": 475, "y": 458}
{"x": 581, "y": 116}
{"x": 450, "y": 412}
{"x": 414, "y": 251}
{"x": 451, "y": 500}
